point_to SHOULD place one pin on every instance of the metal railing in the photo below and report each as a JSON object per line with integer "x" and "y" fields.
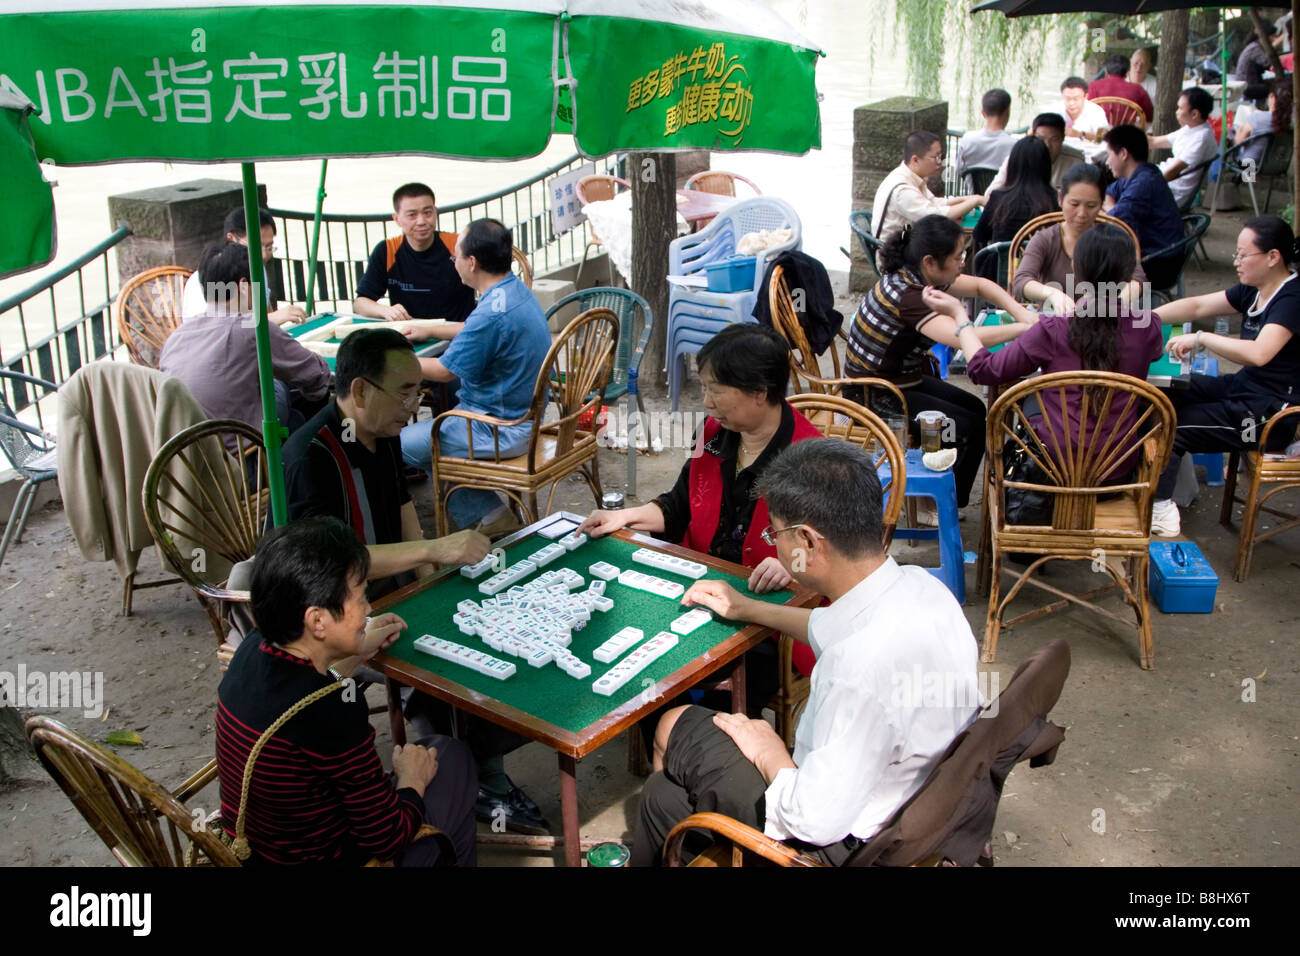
{"x": 346, "y": 240}
{"x": 68, "y": 345}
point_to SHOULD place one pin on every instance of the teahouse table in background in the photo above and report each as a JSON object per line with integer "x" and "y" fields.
{"x": 547, "y": 705}
{"x": 430, "y": 350}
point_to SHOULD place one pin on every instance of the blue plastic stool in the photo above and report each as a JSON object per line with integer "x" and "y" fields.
{"x": 923, "y": 482}
{"x": 1213, "y": 463}
{"x": 943, "y": 355}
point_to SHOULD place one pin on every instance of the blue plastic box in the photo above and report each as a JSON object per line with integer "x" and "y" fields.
{"x": 732, "y": 275}
{"x": 1181, "y": 580}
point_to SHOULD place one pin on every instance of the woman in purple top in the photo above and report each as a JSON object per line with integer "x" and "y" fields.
{"x": 1102, "y": 335}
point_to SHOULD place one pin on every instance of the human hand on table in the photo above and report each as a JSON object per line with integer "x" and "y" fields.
{"x": 463, "y": 547}
{"x": 393, "y": 313}
{"x": 1181, "y": 347}
{"x": 719, "y": 597}
{"x": 769, "y": 575}
{"x": 381, "y": 632}
{"x": 600, "y": 523}
{"x": 415, "y": 766}
{"x": 1059, "y": 302}
{"x": 756, "y": 739}
{"x": 287, "y": 314}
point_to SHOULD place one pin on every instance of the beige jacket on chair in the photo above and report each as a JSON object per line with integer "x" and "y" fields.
{"x": 113, "y": 418}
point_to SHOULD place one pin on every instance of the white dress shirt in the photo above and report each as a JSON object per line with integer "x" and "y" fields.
{"x": 1191, "y": 145}
{"x": 875, "y": 727}
{"x": 1092, "y": 118}
{"x": 902, "y": 198}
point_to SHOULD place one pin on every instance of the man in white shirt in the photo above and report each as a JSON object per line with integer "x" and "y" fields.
{"x": 870, "y": 734}
{"x": 1139, "y": 72}
{"x": 1085, "y": 121}
{"x": 903, "y": 196}
{"x": 987, "y": 148}
{"x": 1193, "y": 143}
{"x": 196, "y": 302}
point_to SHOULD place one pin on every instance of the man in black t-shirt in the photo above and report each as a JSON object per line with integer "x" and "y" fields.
{"x": 416, "y": 271}
{"x": 346, "y": 463}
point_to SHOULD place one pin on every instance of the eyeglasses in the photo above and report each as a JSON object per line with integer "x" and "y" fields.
{"x": 769, "y": 533}
{"x": 406, "y": 401}
{"x": 1238, "y": 256}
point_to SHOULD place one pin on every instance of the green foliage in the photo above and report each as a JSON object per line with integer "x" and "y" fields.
{"x": 1288, "y": 215}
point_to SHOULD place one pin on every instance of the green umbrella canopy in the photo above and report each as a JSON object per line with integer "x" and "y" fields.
{"x": 120, "y": 80}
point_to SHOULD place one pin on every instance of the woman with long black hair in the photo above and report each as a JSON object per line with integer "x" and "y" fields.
{"x": 894, "y": 328}
{"x": 1027, "y": 195}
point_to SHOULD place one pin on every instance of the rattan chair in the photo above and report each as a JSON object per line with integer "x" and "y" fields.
{"x": 141, "y": 822}
{"x": 572, "y": 378}
{"x": 1028, "y": 230}
{"x": 149, "y": 310}
{"x": 950, "y": 819}
{"x": 805, "y": 368}
{"x": 1097, "y": 514}
{"x": 206, "y": 501}
{"x": 720, "y": 183}
{"x": 837, "y": 417}
{"x": 1261, "y": 470}
{"x": 522, "y": 267}
{"x": 595, "y": 189}
{"x": 1122, "y": 112}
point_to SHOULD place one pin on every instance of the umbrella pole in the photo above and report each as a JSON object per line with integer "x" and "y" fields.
{"x": 315, "y": 240}
{"x": 273, "y": 432}
{"x": 1223, "y": 91}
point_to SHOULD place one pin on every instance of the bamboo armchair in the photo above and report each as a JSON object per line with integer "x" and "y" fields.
{"x": 573, "y": 377}
{"x": 1260, "y": 471}
{"x": 719, "y": 182}
{"x": 522, "y": 267}
{"x": 1050, "y": 219}
{"x": 206, "y": 501}
{"x": 1115, "y": 533}
{"x": 805, "y": 369}
{"x": 149, "y": 310}
{"x": 837, "y": 417}
{"x": 141, "y": 822}
{"x": 1121, "y": 111}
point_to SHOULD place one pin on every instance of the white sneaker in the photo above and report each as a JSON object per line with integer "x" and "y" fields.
{"x": 1165, "y": 520}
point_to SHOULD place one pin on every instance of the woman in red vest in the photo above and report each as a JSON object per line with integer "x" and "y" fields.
{"x": 743, "y": 371}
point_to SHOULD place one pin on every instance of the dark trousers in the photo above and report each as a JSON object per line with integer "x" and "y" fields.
{"x": 967, "y": 412}
{"x": 1209, "y": 421}
{"x": 448, "y": 804}
{"x": 488, "y": 743}
{"x": 704, "y": 771}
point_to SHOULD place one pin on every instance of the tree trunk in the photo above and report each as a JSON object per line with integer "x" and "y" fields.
{"x": 1173, "y": 55}
{"x": 654, "y": 226}
{"x": 1261, "y": 34}
{"x": 15, "y": 755}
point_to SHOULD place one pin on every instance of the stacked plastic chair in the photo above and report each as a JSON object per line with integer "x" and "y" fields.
{"x": 696, "y": 315}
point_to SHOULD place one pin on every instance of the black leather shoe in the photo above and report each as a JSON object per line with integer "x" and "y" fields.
{"x": 516, "y": 810}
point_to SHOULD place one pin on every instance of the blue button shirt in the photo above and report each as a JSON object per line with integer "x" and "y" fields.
{"x": 500, "y": 351}
{"x": 1145, "y": 202}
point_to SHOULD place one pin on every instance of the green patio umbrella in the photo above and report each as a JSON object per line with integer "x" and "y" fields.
{"x": 122, "y": 80}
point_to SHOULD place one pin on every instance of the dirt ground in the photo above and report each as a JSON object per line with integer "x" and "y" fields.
{"x": 1192, "y": 763}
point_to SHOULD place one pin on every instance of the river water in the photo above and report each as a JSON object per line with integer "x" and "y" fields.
{"x": 817, "y": 184}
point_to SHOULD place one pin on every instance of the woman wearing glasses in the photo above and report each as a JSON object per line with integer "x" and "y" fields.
{"x": 1227, "y": 413}
{"x": 744, "y": 370}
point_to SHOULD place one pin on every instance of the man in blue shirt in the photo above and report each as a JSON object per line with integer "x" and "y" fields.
{"x": 496, "y": 357}
{"x": 1141, "y": 197}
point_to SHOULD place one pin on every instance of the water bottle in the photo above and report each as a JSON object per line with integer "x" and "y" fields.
{"x": 1221, "y": 325}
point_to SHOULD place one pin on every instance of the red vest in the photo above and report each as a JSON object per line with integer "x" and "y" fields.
{"x": 706, "y": 511}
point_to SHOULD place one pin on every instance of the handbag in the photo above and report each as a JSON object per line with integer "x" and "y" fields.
{"x": 1024, "y": 506}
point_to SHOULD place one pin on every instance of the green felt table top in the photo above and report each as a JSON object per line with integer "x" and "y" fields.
{"x": 547, "y": 692}
{"x": 431, "y": 349}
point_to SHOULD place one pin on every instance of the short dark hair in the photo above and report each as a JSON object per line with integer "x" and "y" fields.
{"x": 235, "y": 223}
{"x": 1081, "y": 172}
{"x": 364, "y": 354}
{"x": 412, "y": 191}
{"x": 918, "y": 143}
{"x": 307, "y": 563}
{"x": 1053, "y": 120}
{"x": 1273, "y": 233}
{"x": 491, "y": 243}
{"x": 1078, "y": 82}
{"x": 995, "y": 103}
{"x": 223, "y": 266}
{"x": 1116, "y": 64}
{"x": 750, "y": 357}
{"x": 1199, "y": 100}
{"x": 1126, "y": 136}
{"x": 831, "y": 485}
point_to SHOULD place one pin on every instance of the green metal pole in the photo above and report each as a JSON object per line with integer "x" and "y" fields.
{"x": 272, "y": 431}
{"x": 315, "y": 240}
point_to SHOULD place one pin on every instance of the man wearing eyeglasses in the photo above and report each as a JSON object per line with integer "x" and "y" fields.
{"x": 196, "y": 301}
{"x": 496, "y": 357}
{"x": 346, "y": 463}
{"x": 868, "y": 739}
{"x": 904, "y": 196}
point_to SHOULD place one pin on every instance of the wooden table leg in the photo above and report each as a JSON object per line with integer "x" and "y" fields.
{"x": 396, "y": 722}
{"x": 569, "y": 810}
{"x": 738, "y": 701}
